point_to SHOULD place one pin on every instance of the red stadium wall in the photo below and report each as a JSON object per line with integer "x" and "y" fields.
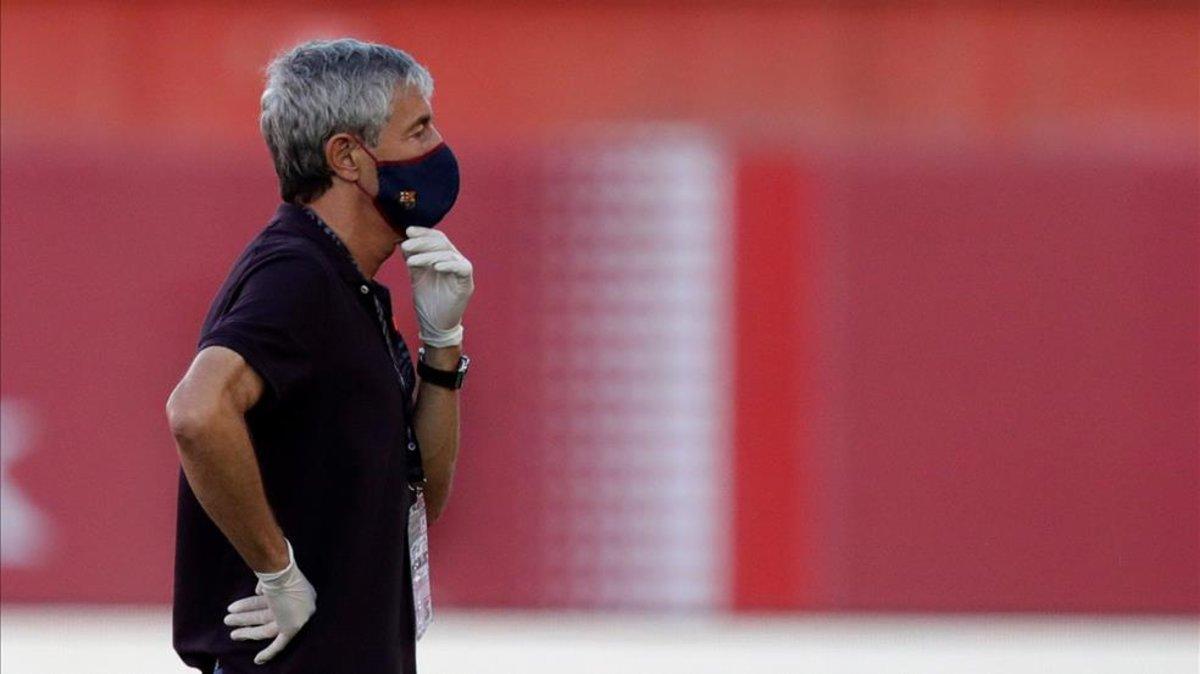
{"x": 963, "y": 283}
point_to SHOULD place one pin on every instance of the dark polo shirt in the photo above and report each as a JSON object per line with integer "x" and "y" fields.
{"x": 331, "y": 437}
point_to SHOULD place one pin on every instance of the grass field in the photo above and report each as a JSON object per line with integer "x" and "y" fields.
{"x": 126, "y": 640}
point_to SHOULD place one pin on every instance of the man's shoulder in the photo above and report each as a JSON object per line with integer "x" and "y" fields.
{"x": 280, "y": 247}
{"x": 277, "y": 259}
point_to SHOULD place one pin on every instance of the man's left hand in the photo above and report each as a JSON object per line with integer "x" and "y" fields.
{"x": 282, "y": 603}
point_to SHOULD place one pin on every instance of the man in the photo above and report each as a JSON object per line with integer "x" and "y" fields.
{"x": 304, "y": 439}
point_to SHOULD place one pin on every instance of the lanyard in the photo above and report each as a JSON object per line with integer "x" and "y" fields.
{"x": 415, "y": 468}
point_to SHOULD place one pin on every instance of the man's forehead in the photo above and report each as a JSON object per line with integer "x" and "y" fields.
{"x": 409, "y": 104}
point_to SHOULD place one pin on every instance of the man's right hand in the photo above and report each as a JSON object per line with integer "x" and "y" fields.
{"x": 282, "y": 603}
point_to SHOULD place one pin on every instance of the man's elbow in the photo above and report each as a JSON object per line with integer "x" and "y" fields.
{"x": 189, "y": 416}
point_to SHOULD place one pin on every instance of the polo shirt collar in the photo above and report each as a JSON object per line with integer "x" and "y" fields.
{"x": 309, "y": 224}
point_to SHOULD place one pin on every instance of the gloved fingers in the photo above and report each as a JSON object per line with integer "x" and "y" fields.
{"x": 251, "y": 603}
{"x": 427, "y": 259}
{"x": 250, "y": 618}
{"x": 256, "y": 632}
{"x": 414, "y": 232}
{"x": 424, "y": 244}
{"x": 460, "y": 267}
{"x": 271, "y": 650}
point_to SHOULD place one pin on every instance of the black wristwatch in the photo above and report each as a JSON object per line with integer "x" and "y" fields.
{"x": 451, "y": 379}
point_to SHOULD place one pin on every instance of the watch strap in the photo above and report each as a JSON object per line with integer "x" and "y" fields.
{"x": 450, "y": 379}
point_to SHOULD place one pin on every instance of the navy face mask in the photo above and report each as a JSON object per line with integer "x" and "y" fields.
{"x": 416, "y": 192}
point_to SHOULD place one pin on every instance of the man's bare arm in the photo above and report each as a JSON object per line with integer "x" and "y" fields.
{"x": 206, "y": 412}
{"x": 436, "y": 425}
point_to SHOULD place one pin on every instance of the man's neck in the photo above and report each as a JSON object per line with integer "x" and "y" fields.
{"x": 359, "y": 226}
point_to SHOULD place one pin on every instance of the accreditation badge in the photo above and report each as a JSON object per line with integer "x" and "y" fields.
{"x": 418, "y": 556}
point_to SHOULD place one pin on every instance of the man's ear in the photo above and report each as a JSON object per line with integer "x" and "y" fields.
{"x": 341, "y": 158}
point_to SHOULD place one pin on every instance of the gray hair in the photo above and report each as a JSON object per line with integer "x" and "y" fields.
{"x": 326, "y": 87}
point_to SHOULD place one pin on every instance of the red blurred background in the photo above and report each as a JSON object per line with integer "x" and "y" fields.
{"x": 948, "y": 258}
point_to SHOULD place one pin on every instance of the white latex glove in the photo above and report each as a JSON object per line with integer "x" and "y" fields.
{"x": 442, "y": 282}
{"x": 282, "y": 602}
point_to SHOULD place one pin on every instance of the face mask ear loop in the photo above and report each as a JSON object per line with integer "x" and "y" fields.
{"x": 373, "y": 199}
{"x": 363, "y": 145}
{"x": 372, "y": 156}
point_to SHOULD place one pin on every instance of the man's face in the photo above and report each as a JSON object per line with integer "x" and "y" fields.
{"x": 409, "y": 133}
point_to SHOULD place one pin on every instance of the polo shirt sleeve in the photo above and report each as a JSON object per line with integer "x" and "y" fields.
{"x": 277, "y": 322}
